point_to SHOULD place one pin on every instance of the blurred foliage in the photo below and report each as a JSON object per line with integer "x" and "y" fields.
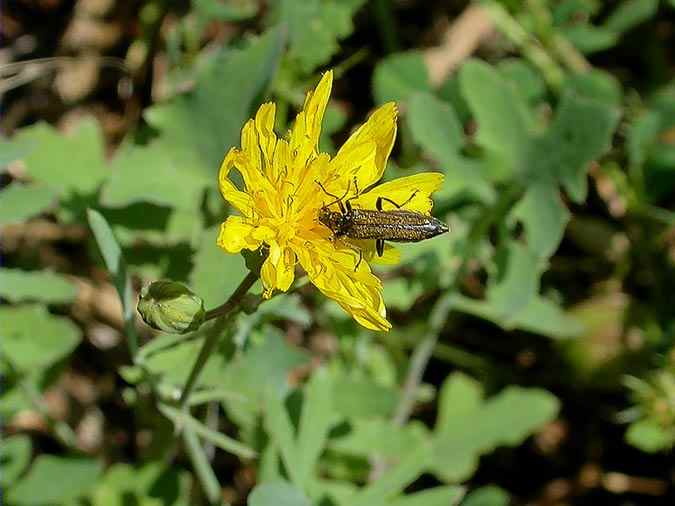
{"x": 545, "y": 312}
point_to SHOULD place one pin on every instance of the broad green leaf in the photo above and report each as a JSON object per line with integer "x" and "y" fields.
{"x": 197, "y": 129}
{"x": 362, "y": 398}
{"x": 55, "y": 480}
{"x": 398, "y": 76}
{"x": 504, "y": 121}
{"x": 149, "y": 485}
{"x": 589, "y": 39}
{"x": 505, "y": 419}
{"x": 436, "y": 496}
{"x": 381, "y": 437}
{"x": 19, "y": 202}
{"x": 642, "y": 136}
{"x": 459, "y": 395}
{"x": 402, "y": 293}
{"x": 278, "y": 426}
{"x": 152, "y": 174}
{"x": 525, "y": 78}
{"x": 649, "y": 436}
{"x": 14, "y": 458}
{"x": 395, "y": 479}
{"x": 314, "y": 28}
{"x": 32, "y": 338}
{"x": 487, "y": 496}
{"x": 631, "y": 13}
{"x": 11, "y": 151}
{"x": 228, "y": 10}
{"x": 580, "y": 133}
{"x": 216, "y": 273}
{"x": 44, "y": 286}
{"x": 277, "y": 493}
{"x": 66, "y": 163}
{"x": 544, "y": 317}
{"x": 316, "y": 420}
{"x": 519, "y": 282}
{"x": 114, "y": 261}
{"x": 544, "y": 217}
{"x": 595, "y": 85}
{"x": 172, "y": 364}
{"x": 435, "y": 126}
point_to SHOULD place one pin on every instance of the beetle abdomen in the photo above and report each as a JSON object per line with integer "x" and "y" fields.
{"x": 397, "y": 226}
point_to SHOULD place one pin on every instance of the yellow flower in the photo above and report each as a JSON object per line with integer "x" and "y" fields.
{"x": 281, "y": 199}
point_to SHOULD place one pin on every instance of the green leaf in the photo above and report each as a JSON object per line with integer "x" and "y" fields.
{"x": 278, "y": 426}
{"x": 314, "y": 28}
{"x": 114, "y": 261}
{"x": 381, "y": 437}
{"x": 398, "y": 76}
{"x": 363, "y": 398}
{"x": 149, "y": 485}
{"x": 595, "y": 84}
{"x": 436, "y": 496}
{"x": 33, "y": 339}
{"x": 487, "y": 496}
{"x": 277, "y": 493}
{"x": 504, "y": 121}
{"x": 197, "y": 129}
{"x": 518, "y": 285}
{"x": 649, "y": 436}
{"x": 460, "y": 395}
{"x": 580, "y": 133}
{"x": 544, "y": 217}
{"x": 228, "y": 10}
{"x": 152, "y": 174}
{"x": 55, "y": 480}
{"x": 525, "y": 78}
{"x": 631, "y": 13}
{"x": 44, "y": 286}
{"x": 18, "y": 202}
{"x": 65, "y": 163}
{"x": 435, "y": 126}
{"x": 505, "y": 419}
{"x": 395, "y": 479}
{"x": 14, "y": 458}
{"x": 642, "y": 136}
{"x": 316, "y": 419}
{"x": 216, "y": 273}
{"x": 590, "y": 39}
{"x": 545, "y": 317}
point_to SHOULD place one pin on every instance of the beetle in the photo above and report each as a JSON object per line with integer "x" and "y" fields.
{"x": 395, "y": 225}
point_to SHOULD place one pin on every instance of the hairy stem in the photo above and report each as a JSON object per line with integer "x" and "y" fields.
{"x": 221, "y": 313}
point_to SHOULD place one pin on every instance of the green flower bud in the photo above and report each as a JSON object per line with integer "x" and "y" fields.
{"x": 171, "y": 307}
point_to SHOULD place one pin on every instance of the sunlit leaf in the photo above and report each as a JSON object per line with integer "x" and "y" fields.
{"x": 32, "y": 338}
{"x": 55, "y": 480}
{"x": 399, "y": 76}
{"x": 19, "y": 202}
{"x": 44, "y": 286}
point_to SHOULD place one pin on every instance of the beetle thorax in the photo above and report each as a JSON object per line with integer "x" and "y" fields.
{"x": 336, "y": 221}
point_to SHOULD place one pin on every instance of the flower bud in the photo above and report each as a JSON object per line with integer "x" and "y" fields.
{"x": 171, "y": 307}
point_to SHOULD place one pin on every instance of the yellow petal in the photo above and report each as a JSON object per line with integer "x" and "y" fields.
{"x": 380, "y": 129}
{"x": 278, "y": 270}
{"x": 304, "y": 136}
{"x": 414, "y": 192}
{"x": 359, "y": 292}
{"x": 235, "y": 235}
{"x": 238, "y": 199}
{"x": 267, "y": 139}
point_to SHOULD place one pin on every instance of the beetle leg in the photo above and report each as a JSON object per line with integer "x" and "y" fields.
{"x": 378, "y": 203}
{"x": 379, "y": 246}
{"x": 356, "y": 267}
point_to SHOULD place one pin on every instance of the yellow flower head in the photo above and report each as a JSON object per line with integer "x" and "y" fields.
{"x": 281, "y": 200}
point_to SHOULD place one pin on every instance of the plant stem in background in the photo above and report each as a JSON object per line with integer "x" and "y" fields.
{"x": 202, "y": 467}
{"x": 529, "y": 46}
{"x": 386, "y": 24}
{"x": 222, "y": 314}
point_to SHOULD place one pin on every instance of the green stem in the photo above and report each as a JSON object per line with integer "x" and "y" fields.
{"x": 221, "y": 313}
{"x": 439, "y": 314}
{"x": 203, "y": 470}
{"x": 386, "y": 25}
{"x": 187, "y": 422}
{"x": 529, "y": 46}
